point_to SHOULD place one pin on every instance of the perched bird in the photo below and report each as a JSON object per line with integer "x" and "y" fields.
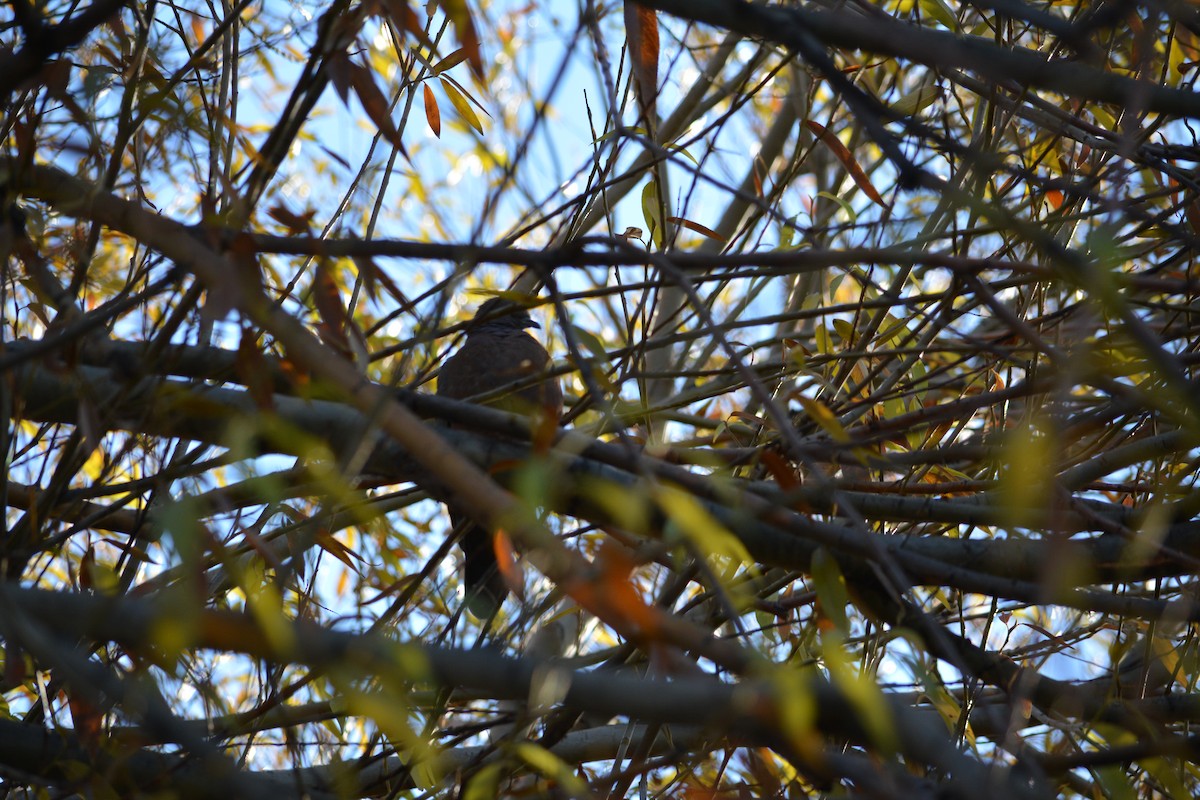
{"x": 498, "y": 353}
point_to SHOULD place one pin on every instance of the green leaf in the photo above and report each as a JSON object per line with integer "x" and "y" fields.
{"x": 652, "y": 212}
{"x": 849, "y": 209}
{"x": 938, "y": 10}
{"x": 830, "y": 585}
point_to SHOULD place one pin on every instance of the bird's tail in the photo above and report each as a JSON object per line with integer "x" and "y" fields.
{"x": 485, "y": 586}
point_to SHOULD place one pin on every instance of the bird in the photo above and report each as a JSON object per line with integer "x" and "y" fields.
{"x": 498, "y": 353}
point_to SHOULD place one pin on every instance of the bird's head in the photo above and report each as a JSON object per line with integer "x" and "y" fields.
{"x": 499, "y": 313}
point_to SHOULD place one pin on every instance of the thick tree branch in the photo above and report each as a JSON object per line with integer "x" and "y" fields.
{"x": 881, "y": 34}
{"x": 18, "y": 67}
{"x": 746, "y": 711}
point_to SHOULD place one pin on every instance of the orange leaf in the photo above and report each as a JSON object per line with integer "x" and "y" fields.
{"x": 432, "y": 115}
{"x": 783, "y": 472}
{"x": 87, "y": 720}
{"x": 847, "y": 159}
{"x": 641, "y": 31}
{"x": 698, "y": 228}
{"x": 612, "y": 597}
{"x": 506, "y": 561}
{"x": 199, "y": 32}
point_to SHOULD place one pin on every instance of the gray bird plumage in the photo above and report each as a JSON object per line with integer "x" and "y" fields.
{"x": 498, "y": 353}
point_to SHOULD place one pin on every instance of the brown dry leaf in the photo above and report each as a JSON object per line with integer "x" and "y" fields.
{"x": 407, "y": 21}
{"x": 847, "y": 159}
{"x": 295, "y": 223}
{"x": 328, "y": 299}
{"x": 464, "y": 29}
{"x": 375, "y": 278}
{"x": 87, "y": 719}
{"x": 329, "y": 544}
{"x": 339, "y": 75}
{"x": 251, "y": 369}
{"x": 87, "y": 566}
{"x": 1192, "y": 211}
{"x": 374, "y": 103}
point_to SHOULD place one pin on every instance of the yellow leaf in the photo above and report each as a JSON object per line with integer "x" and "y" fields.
{"x": 694, "y": 520}
{"x": 821, "y": 415}
{"x": 553, "y": 767}
{"x": 874, "y": 712}
{"x": 485, "y": 784}
{"x": 461, "y": 105}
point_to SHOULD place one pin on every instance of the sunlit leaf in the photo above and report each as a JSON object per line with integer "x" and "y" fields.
{"x": 820, "y": 414}
{"x": 641, "y": 30}
{"x": 652, "y": 211}
{"x": 461, "y": 105}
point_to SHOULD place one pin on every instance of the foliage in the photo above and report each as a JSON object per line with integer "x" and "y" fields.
{"x": 877, "y": 328}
